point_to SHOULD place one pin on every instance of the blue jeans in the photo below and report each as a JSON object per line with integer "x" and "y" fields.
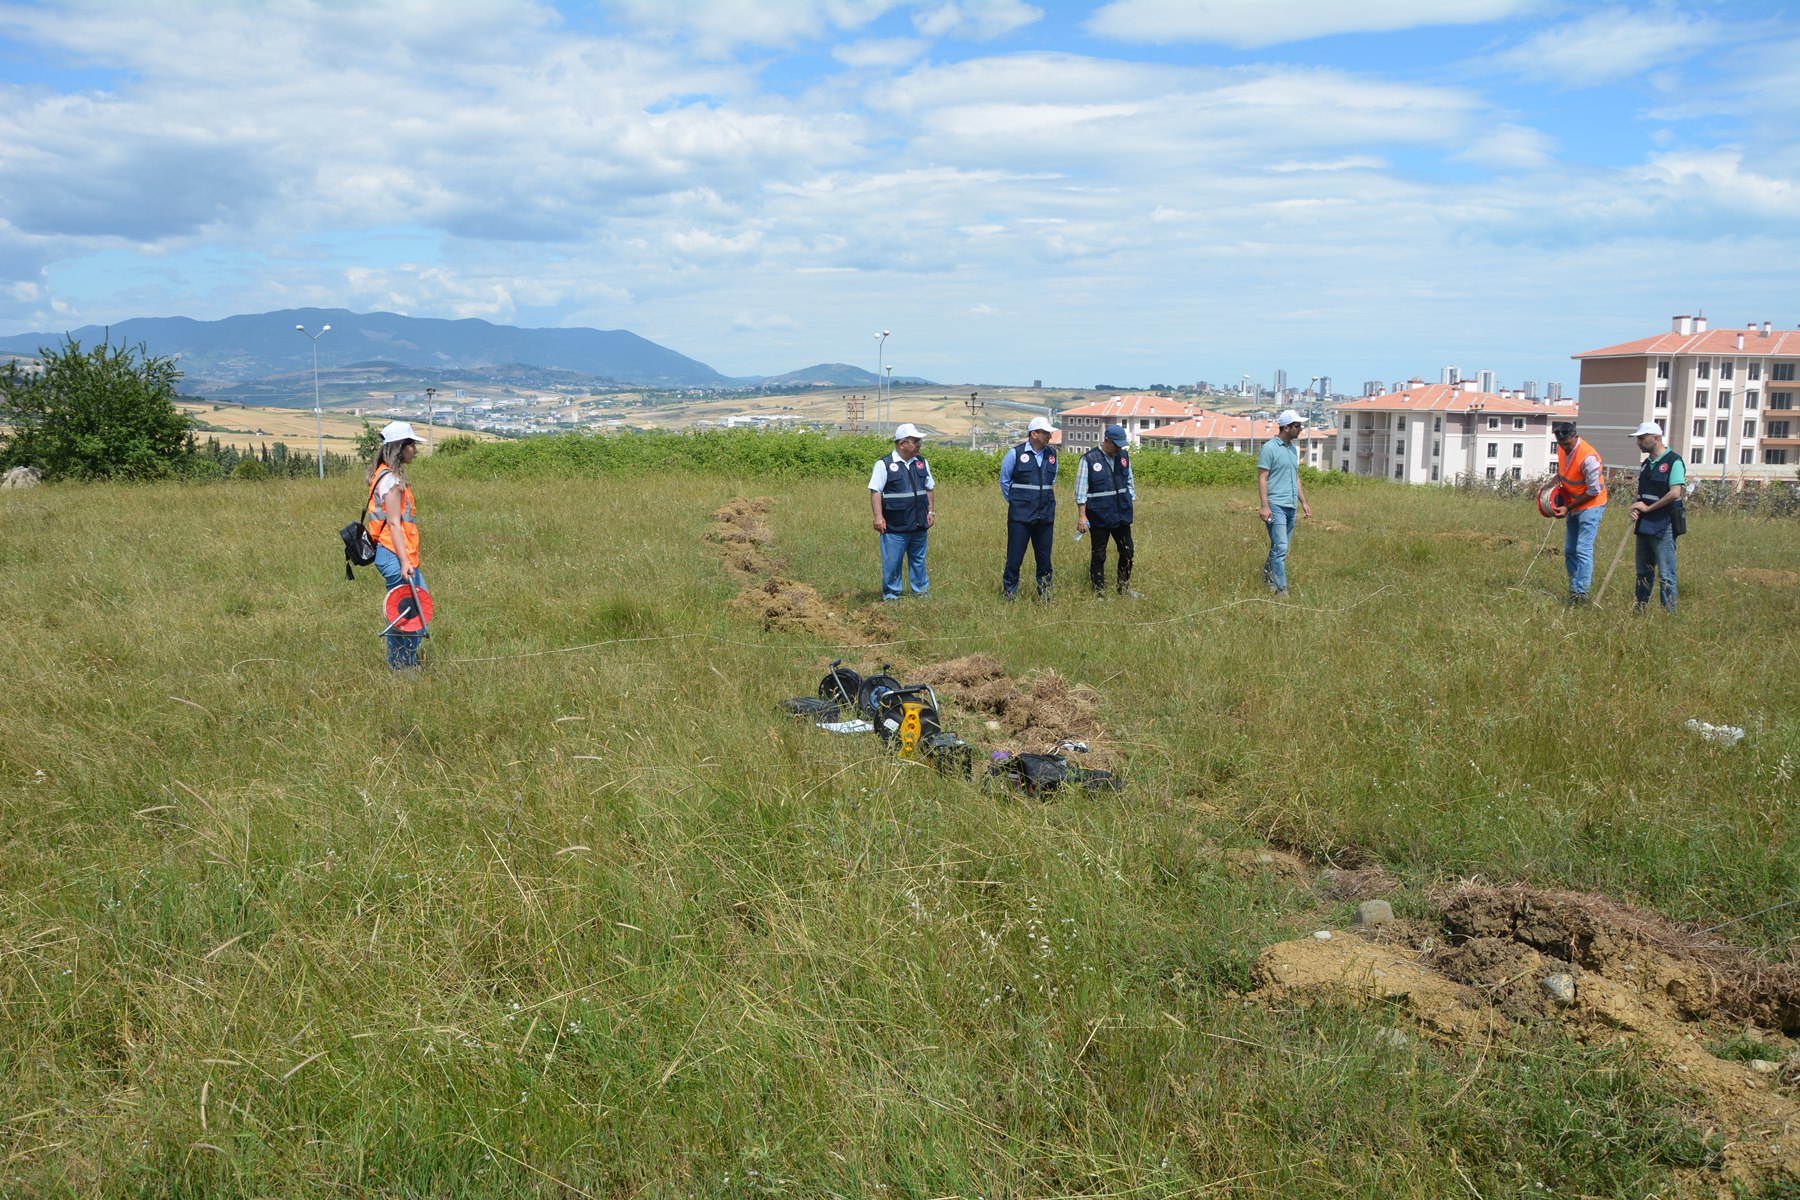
{"x": 1578, "y": 547}
{"x": 1281, "y": 532}
{"x": 1656, "y": 556}
{"x": 402, "y": 648}
{"x": 907, "y": 549}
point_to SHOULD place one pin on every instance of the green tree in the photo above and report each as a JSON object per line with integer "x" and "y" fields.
{"x": 104, "y": 413}
{"x": 368, "y": 441}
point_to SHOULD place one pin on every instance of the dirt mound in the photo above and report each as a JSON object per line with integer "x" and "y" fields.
{"x": 1701, "y": 976}
{"x": 1037, "y": 713}
{"x": 1365, "y": 883}
{"x": 741, "y": 534}
{"x": 1765, "y": 576}
{"x": 1603, "y": 970}
{"x": 786, "y": 606}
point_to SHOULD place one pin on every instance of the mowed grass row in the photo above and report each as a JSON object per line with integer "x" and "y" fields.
{"x": 274, "y": 921}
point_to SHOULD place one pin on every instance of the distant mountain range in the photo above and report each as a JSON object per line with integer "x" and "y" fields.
{"x": 260, "y": 354}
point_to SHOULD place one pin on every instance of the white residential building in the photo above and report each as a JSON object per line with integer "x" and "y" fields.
{"x": 1439, "y": 433}
{"x": 1725, "y": 397}
{"x": 1206, "y": 431}
{"x": 1082, "y": 427}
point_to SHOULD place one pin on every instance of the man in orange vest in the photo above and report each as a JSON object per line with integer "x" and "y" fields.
{"x": 1582, "y": 477}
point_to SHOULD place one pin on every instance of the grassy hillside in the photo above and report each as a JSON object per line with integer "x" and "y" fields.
{"x": 574, "y": 912}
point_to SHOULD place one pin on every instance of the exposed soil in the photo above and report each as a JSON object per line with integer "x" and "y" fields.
{"x": 1634, "y": 976}
{"x": 1036, "y": 713}
{"x": 743, "y": 535}
{"x": 1489, "y": 541}
{"x": 1765, "y": 576}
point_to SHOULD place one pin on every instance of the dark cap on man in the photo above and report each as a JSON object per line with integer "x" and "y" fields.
{"x": 1563, "y": 429}
{"x": 1116, "y": 435}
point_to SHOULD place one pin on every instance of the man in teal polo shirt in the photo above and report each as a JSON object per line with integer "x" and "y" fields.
{"x": 1280, "y": 493}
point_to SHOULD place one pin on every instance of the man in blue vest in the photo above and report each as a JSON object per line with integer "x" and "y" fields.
{"x": 1659, "y": 514}
{"x": 1028, "y": 482}
{"x": 1104, "y": 498}
{"x": 900, "y": 497}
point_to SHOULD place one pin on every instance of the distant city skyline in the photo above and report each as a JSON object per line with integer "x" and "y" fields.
{"x": 1147, "y": 190}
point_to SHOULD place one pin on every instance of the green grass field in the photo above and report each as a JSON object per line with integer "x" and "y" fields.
{"x": 600, "y": 922}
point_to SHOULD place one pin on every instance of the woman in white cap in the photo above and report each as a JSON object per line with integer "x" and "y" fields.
{"x": 393, "y": 528}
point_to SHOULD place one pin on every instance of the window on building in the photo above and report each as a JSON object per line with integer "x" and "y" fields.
{"x": 1721, "y": 428}
{"x": 1437, "y": 447}
{"x": 1437, "y": 424}
{"x": 1703, "y": 369}
{"x": 1662, "y": 397}
{"x": 1749, "y": 429}
{"x": 1754, "y": 372}
{"x": 1399, "y": 447}
{"x": 1493, "y": 451}
{"x": 1746, "y": 455}
{"x": 1516, "y": 471}
{"x": 1662, "y": 368}
{"x": 1777, "y": 429}
{"x": 1399, "y": 471}
{"x": 1725, "y": 369}
{"x": 1434, "y": 474}
{"x": 1345, "y": 446}
{"x": 1700, "y": 399}
{"x": 1346, "y": 420}
{"x": 1781, "y": 399}
{"x": 1719, "y": 457}
{"x": 1696, "y": 454}
{"x": 1490, "y": 472}
{"x": 1699, "y": 431}
{"x": 1781, "y": 371}
{"x": 1725, "y": 400}
{"x": 1493, "y": 422}
{"x": 1518, "y": 449}
{"x": 1518, "y": 422}
{"x": 1775, "y": 457}
{"x": 1751, "y": 399}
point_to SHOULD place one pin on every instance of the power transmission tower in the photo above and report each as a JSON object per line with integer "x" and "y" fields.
{"x": 853, "y": 414}
{"x": 974, "y": 406}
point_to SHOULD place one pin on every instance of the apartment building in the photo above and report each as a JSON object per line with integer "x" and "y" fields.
{"x": 1725, "y": 397}
{"x": 1206, "y": 431}
{"x": 1439, "y": 433}
{"x": 1083, "y": 426}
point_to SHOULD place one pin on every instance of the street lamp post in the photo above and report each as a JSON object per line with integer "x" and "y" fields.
{"x": 430, "y": 416}
{"x": 890, "y": 393}
{"x": 318, "y": 412}
{"x": 880, "y": 356}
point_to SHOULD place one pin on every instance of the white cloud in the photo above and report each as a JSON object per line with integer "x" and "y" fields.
{"x": 1609, "y": 45}
{"x": 980, "y": 20}
{"x": 1254, "y": 23}
{"x": 1349, "y": 162}
{"x": 1511, "y": 147}
{"x": 718, "y": 25}
{"x": 880, "y": 52}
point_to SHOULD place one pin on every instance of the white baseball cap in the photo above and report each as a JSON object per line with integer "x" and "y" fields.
{"x": 1042, "y": 423}
{"x": 1648, "y": 427}
{"x": 1289, "y": 417}
{"x": 398, "y": 431}
{"x": 907, "y": 430}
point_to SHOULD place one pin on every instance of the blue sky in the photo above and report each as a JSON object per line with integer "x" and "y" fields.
{"x": 1120, "y": 191}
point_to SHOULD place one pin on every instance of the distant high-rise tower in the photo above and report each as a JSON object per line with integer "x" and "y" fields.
{"x": 1373, "y": 387}
{"x": 1450, "y": 375}
{"x": 1280, "y": 383}
{"x": 1324, "y": 387}
{"x": 1531, "y": 392}
{"x": 1485, "y": 381}
{"x": 1555, "y": 392}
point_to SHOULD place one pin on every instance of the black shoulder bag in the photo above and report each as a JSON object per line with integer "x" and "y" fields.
{"x": 359, "y": 547}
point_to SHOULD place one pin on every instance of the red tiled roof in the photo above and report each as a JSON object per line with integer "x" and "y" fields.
{"x": 1133, "y": 406}
{"x": 1722, "y": 342}
{"x": 1205, "y": 426}
{"x": 1445, "y": 397}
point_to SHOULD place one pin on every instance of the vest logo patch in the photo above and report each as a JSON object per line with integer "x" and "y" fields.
{"x": 1096, "y": 468}
{"x": 1051, "y": 460}
{"x": 1025, "y": 457}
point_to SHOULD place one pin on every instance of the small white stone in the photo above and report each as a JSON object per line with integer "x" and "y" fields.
{"x": 1323, "y": 935}
{"x": 1763, "y": 1066}
{"x": 1561, "y": 988}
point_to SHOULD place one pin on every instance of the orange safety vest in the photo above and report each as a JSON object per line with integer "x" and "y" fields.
{"x": 1568, "y": 473}
{"x": 378, "y": 524}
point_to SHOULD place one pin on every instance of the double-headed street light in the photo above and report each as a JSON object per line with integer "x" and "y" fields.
{"x": 318, "y": 412}
{"x": 880, "y": 356}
